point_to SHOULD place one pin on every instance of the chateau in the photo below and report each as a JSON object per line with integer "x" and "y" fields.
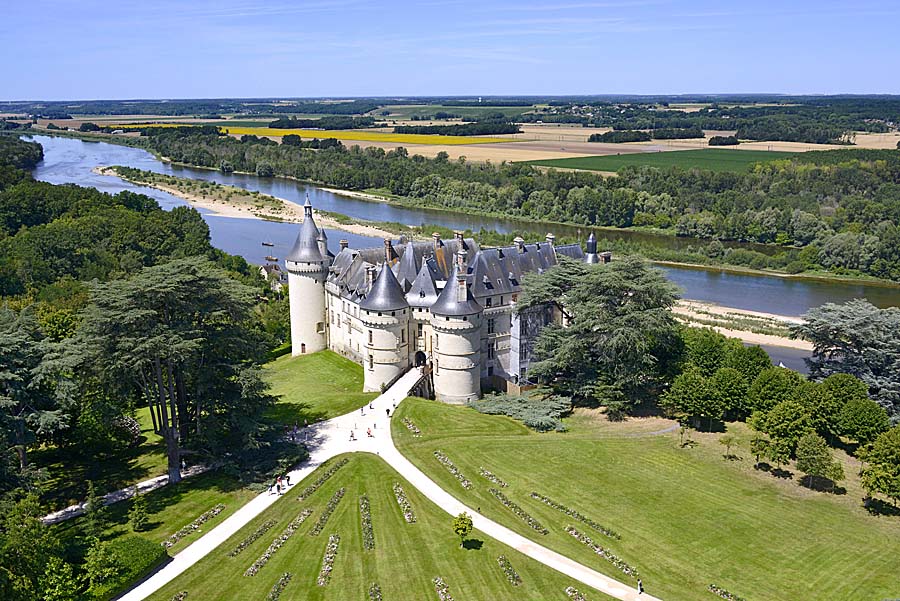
{"x": 448, "y": 305}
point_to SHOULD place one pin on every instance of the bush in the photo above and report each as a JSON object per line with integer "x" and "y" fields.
{"x": 723, "y": 141}
{"x": 280, "y": 351}
{"x": 125, "y": 560}
{"x": 541, "y": 412}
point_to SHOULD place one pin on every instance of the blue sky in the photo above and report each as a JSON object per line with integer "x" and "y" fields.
{"x": 250, "y": 48}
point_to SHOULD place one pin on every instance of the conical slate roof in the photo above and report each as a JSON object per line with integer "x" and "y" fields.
{"x": 406, "y": 267}
{"x": 448, "y": 302}
{"x": 423, "y": 292}
{"x": 386, "y": 293}
{"x": 306, "y": 247}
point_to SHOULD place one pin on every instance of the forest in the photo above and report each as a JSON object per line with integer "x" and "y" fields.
{"x": 478, "y": 128}
{"x": 340, "y": 122}
{"x": 834, "y": 211}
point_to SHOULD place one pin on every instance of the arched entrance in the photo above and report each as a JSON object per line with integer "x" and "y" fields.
{"x": 420, "y": 359}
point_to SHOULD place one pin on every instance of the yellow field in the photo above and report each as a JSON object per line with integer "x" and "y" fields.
{"x": 343, "y": 134}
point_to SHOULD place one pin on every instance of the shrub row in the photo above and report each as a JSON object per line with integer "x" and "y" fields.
{"x": 604, "y": 553}
{"x": 263, "y": 528}
{"x": 719, "y": 591}
{"x": 331, "y": 550}
{"x": 322, "y": 479}
{"x": 329, "y": 509}
{"x": 574, "y": 595}
{"x": 365, "y": 516}
{"x": 493, "y": 478}
{"x": 442, "y": 590}
{"x": 278, "y": 542}
{"x": 445, "y": 461}
{"x": 375, "y": 592}
{"x": 411, "y": 427}
{"x": 511, "y": 574}
{"x": 518, "y": 511}
{"x": 278, "y": 587}
{"x": 408, "y": 514}
{"x": 573, "y": 513}
{"x": 193, "y": 526}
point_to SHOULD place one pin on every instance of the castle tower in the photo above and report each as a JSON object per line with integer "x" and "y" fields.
{"x": 307, "y": 269}
{"x": 456, "y": 322}
{"x": 384, "y": 314}
{"x": 591, "y": 254}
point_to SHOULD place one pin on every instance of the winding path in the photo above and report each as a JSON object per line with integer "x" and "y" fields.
{"x": 331, "y": 438}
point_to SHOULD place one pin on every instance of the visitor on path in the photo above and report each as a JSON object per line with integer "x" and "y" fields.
{"x": 369, "y": 432}
{"x": 640, "y": 586}
{"x": 352, "y": 437}
{"x": 287, "y": 478}
{"x": 278, "y": 487}
{"x": 361, "y": 412}
{"x": 387, "y": 412}
{"x": 375, "y": 426}
{"x": 371, "y": 406}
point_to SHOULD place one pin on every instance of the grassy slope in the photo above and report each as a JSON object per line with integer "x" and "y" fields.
{"x": 315, "y": 387}
{"x": 405, "y": 559}
{"x": 714, "y": 159}
{"x": 687, "y": 518}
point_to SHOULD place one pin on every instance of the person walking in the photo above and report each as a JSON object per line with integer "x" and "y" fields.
{"x": 387, "y": 412}
{"x": 640, "y": 586}
{"x": 287, "y": 478}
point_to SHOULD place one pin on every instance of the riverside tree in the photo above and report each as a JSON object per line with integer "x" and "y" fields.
{"x": 859, "y": 339}
{"x": 178, "y": 337}
{"x": 621, "y": 342}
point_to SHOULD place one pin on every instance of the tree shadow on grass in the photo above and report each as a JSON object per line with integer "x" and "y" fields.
{"x": 294, "y": 413}
{"x": 473, "y": 544}
{"x": 878, "y": 507}
{"x": 820, "y": 484}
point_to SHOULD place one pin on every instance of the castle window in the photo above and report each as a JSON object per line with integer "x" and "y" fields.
{"x": 490, "y": 326}
{"x": 371, "y": 362}
{"x": 370, "y": 336}
{"x": 501, "y": 300}
{"x": 320, "y": 327}
{"x": 419, "y": 331}
{"x": 488, "y": 302}
{"x": 490, "y": 370}
{"x": 435, "y": 342}
{"x": 490, "y": 350}
{"x": 402, "y": 336}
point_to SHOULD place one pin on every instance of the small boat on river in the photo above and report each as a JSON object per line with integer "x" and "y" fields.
{"x": 272, "y": 259}
{"x": 268, "y": 244}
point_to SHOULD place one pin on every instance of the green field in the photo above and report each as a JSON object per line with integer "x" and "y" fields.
{"x": 404, "y": 561}
{"x": 315, "y": 387}
{"x": 687, "y": 517}
{"x": 713, "y": 159}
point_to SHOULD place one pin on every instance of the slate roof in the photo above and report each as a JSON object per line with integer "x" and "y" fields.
{"x": 386, "y": 293}
{"x": 306, "y": 246}
{"x": 449, "y": 303}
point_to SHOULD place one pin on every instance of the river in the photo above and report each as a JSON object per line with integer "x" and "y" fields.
{"x": 68, "y": 160}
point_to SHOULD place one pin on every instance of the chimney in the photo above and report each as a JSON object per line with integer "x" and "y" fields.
{"x": 436, "y": 240}
{"x": 370, "y": 276}
{"x": 344, "y": 244}
{"x": 460, "y": 288}
{"x": 551, "y": 239}
{"x": 458, "y": 235}
{"x": 388, "y": 250}
{"x": 520, "y": 243}
{"x": 461, "y": 259}
{"x": 592, "y": 244}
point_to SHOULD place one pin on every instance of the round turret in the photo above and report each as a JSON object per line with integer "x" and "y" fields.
{"x": 384, "y": 314}
{"x": 307, "y": 269}
{"x": 456, "y": 319}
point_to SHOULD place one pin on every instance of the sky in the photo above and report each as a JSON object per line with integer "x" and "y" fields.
{"x": 86, "y": 49}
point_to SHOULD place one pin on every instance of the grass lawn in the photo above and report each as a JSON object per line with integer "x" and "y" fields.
{"x": 315, "y": 387}
{"x": 69, "y": 473}
{"x": 405, "y": 559}
{"x": 713, "y": 159}
{"x": 687, "y": 517}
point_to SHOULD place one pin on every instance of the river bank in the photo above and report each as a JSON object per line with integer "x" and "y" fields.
{"x": 233, "y": 202}
{"x": 752, "y": 327}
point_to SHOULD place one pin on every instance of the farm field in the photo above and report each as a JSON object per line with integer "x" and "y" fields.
{"x": 404, "y": 560}
{"x": 407, "y": 111}
{"x": 345, "y": 134}
{"x": 714, "y": 159}
{"x": 687, "y": 518}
